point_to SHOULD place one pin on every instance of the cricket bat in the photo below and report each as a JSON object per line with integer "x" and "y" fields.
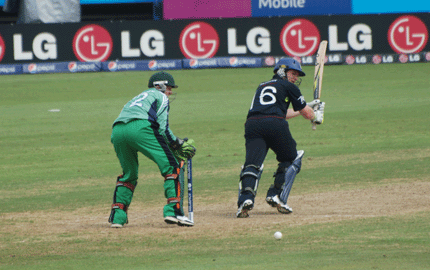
{"x": 319, "y": 68}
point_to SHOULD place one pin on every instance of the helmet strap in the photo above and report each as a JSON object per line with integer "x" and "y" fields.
{"x": 282, "y": 73}
{"x": 160, "y": 86}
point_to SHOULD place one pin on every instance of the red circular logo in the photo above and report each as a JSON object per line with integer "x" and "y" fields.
{"x": 376, "y": 59}
{"x": 194, "y": 63}
{"x": 152, "y": 64}
{"x": 199, "y": 40}
{"x": 350, "y": 59}
{"x": 407, "y": 34}
{"x": 32, "y": 68}
{"x": 270, "y": 61}
{"x": 233, "y": 61}
{"x": 403, "y": 58}
{"x": 2, "y": 48}
{"x": 300, "y": 37}
{"x": 72, "y": 66}
{"x": 112, "y": 66}
{"x": 92, "y": 43}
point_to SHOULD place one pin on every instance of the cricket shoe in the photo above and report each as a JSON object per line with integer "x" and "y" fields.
{"x": 179, "y": 220}
{"x": 270, "y": 200}
{"x": 244, "y": 208}
{"x": 116, "y": 225}
{"x": 276, "y": 202}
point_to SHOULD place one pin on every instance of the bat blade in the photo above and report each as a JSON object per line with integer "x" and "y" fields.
{"x": 319, "y": 69}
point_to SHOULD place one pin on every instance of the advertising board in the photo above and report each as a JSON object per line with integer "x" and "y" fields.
{"x": 205, "y": 39}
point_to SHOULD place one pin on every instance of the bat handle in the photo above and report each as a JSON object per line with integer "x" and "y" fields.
{"x": 314, "y": 126}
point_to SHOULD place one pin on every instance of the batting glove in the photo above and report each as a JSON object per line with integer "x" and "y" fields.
{"x": 313, "y": 103}
{"x": 319, "y": 114}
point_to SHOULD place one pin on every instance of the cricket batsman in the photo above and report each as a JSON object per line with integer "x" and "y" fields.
{"x": 266, "y": 128}
{"x": 143, "y": 126}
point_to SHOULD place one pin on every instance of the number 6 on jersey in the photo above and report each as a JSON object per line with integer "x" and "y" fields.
{"x": 319, "y": 68}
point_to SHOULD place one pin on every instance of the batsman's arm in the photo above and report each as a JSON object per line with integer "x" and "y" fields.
{"x": 307, "y": 112}
{"x": 291, "y": 114}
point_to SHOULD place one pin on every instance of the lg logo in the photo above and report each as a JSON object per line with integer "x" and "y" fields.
{"x": 151, "y": 44}
{"x": 407, "y": 34}
{"x": 199, "y": 40}
{"x": 92, "y": 43}
{"x": 300, "y": 38}
{"x": 44, "y": 47}
{"x": 257, "y": 41}
{"x": 359, "y": 38}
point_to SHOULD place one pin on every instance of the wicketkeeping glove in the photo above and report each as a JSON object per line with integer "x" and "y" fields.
{"x": 319, "y": 114}
{"x": 183, "y": 149}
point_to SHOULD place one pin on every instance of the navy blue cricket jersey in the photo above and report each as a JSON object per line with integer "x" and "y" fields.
{"x": 273, "y": 98}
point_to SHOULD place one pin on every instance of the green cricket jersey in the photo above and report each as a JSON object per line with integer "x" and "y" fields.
{"x": 151, "y": 105}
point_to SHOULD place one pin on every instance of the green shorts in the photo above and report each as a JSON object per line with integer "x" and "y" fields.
{"x": 140, "y": 136}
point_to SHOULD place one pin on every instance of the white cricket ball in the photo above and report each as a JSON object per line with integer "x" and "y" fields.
{"x": 278, "y": 235}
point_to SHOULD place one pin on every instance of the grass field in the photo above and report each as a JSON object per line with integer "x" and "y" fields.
{"x": 361, "y": 200}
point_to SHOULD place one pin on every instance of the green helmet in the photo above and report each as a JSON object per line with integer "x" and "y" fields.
{"x": 162, "y": 79}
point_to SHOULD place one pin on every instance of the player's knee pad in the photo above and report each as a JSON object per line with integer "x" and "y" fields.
{"x": 279, "y": 175}
{"x": 249, "y": 178}
{"x": 174, "y": 190}
{"x": 123, "y": 193}
{"x": 122, "y": 196}
{"x": 298, "y": 161}
{"x": 290, "y": 175}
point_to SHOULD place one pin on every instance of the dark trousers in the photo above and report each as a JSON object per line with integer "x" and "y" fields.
{"x": 262, "y": 134}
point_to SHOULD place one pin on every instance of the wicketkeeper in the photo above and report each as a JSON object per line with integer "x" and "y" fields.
{"x": 266, "y": 128}
{"x": 143, "y": 126}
